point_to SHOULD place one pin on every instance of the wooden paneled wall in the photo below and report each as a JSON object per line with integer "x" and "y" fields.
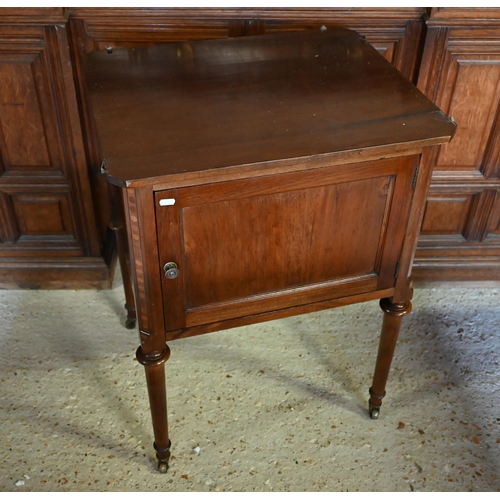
{"x": 460, "y": 72}
{"x": 54, "y": 208}
{"x": 48, "y": 229}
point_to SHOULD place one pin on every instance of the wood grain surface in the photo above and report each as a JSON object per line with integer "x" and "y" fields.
{"x": 186, "y": 107}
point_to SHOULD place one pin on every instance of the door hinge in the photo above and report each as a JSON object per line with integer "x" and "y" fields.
{"x": 396, "y": 272}
{"x": 415, "y": 177}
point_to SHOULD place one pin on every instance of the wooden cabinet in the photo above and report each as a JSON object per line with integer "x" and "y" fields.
{"x": 263, "y": 177}
{"x": 460, "y": 72}
{"x": 48, "y": 235}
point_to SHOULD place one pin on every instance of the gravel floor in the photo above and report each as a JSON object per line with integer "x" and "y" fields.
{"x": 279, "y": 406}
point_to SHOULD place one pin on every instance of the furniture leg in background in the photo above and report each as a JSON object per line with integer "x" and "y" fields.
{"x": 117, "y": 225}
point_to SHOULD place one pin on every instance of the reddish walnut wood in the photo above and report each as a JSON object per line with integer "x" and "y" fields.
{"x": 263, "y": 177}
{"x": 304, "y": 250}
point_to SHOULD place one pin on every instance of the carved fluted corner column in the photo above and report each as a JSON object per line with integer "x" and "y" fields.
{"x": 155, "y": 376}
{"x": 393, "y": 316}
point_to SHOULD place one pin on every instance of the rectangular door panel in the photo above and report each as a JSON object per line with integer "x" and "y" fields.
{"x": 29, "y": 135}
{"x": 473, "y": 105}
{"x": 20, "y": 116}
{"x": 281, "y": 241}
{"x": 447, "y": 214}
{"x": 296, "y": 238}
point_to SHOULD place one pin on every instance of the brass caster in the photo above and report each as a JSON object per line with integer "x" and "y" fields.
{"x": 374, "y": 411}
{"x": 162, "y": 454}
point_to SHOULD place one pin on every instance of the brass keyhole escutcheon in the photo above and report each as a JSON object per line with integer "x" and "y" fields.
{"x": 171, "y": 270}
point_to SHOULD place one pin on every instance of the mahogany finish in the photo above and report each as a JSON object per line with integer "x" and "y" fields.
{"x": 263, "y": 177}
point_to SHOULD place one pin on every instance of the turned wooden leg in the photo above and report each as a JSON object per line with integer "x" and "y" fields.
{"x": 155, "y": 377}
{"x": 121, "y": 241}
{"x": 117, "y": 224}
{"x": 390, "y": 330}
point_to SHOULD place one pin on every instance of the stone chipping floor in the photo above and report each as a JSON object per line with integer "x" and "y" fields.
{"x": 279, "y": 406}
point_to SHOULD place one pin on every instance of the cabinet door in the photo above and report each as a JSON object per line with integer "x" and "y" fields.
{"x": 258, "y": 245}
{"x": 461, "y": 74}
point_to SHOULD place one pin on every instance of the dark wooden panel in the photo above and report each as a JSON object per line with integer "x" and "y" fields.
{"x": 63, "y": 272}
{"x": 20, "y": 118}
{"x": 47, "y": 214}
{"x": 386, "y": 49}
{"x": 313, "y": 248}
{"x": 43, "y": 215}
{"x": 41, "y": 222}
{"x": 9, "y": 232}
{"x": 472, "y": 97}
{"x": 495, "y": 217}
{"x": 446, "y": 214}
{"x": 225, "y": 239}
{"x": 459, "y": 223}
{"x": 461, "y": 73}
{"x": 34, "y": 15}
{"x": 104, "y": 36}
{"x": 479, "y": 225}
{"x": 477, "y": 16}
{"x": 29, "y": 135}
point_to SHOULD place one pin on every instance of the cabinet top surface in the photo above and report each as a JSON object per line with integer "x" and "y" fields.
{"x": 196, "y": 106}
